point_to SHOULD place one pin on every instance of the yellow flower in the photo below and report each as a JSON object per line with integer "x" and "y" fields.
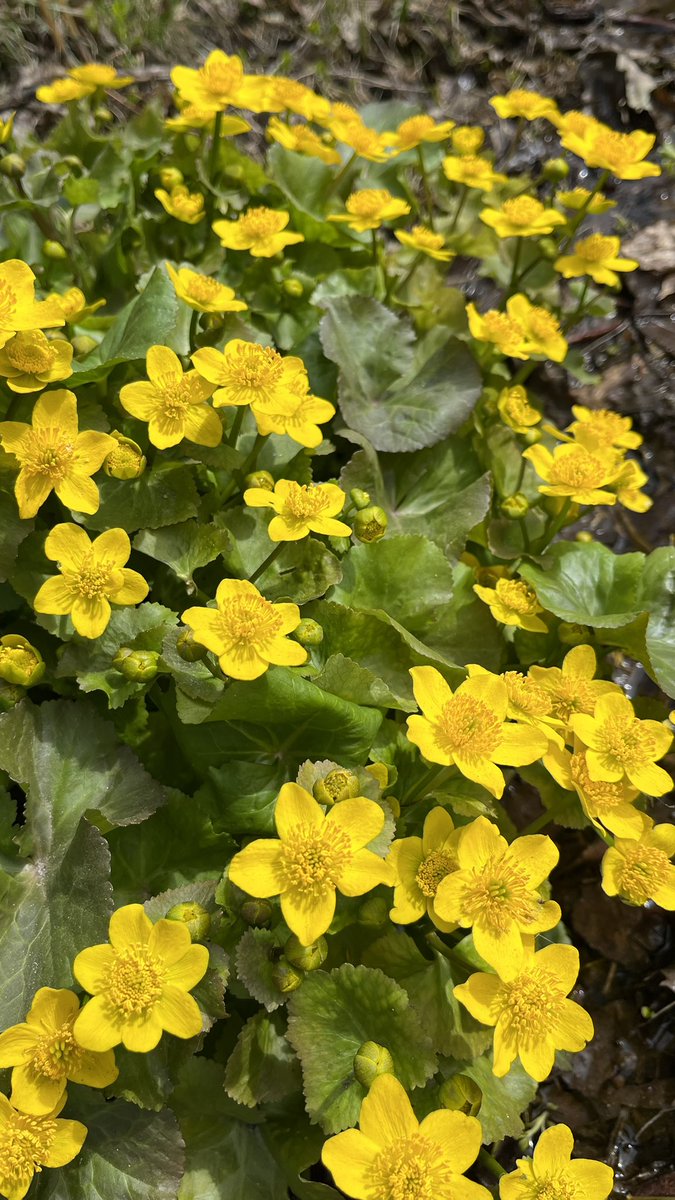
{"x": 20, "y": 663}
{"x": 139, "y": 982}
{"x": 552, "y": 1173}
{"x": 246, "y": 631}
{"x": 607, "y": 804}
{"x": 52, "y": 455}
{"x": 468, "y": 728}
{"x": 600, "y": 428}
{"x": 82, "y": 81}
{"x": 596, "y": 256}
{"x": 541, "y": 329}
{"x": 578, "y": 198}
{"x": 261, "y": 231}
{"x": 513, "y": 602}
{"x": 315, "y": 853}
{"x": 295, "y": 97}
{"x": 392, "y": 1156}
{"x": 62, "y": 91}
{"x": 19, "y": 310}
{"x": 502, "y": 330}
{"x": 530, "y": 1012}
{"x": 93, "y": 576}
{"x": 301, "y": 419}
{"x": 494, "y": 891}
{"x": 184, "y": 205}
{"x": 522, "y": 103}
{"x": 620, "y": 745}
{"x": 73, "y": 304}
{"x": 202, "y": 292}
{"x": 575, "y": 123}
{"x": 574, "y": 472}
{"x": 300, "y": 509}
{"x": 173, "y": 402}
{"x": 473, "y": 171}
{"x": 639, "y": 869}
{"x": 522, "y": 216}
{"x": 302, "y": 140}
{"x": 621, "y": 153}
{"x": 6, "y": 128}
{"x": 515, "y": 409}
{"x": 45, "y": 1056}
{"x": 29, "y": 361}
{"x": 527, "y": 702}
{"x": 28, "y": 1143}
{"x": 415, "y": 130}
{"x": 573, "y": 687}
{"x": 467, "y": 139}
{"x": 628, "y": 487}
{"x": 192, "y": 117}
{"x": 425, "y": 241}
{"x": 365, "y": 142}
{"x": 419, "y": 865}
{"x": 369, "y": 208}
{"x": 247, "y": 373}
{"x": 219, "y": 83}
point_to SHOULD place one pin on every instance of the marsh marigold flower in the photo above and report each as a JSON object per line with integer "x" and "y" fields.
{"x": 622, "y": 154}
{"x": 6, "y": 128}
{"x": 494, "y": 891}
{"x": 515, "y": 409}
{"x": 219, "y": 83}
{"x": 468, "y": 728}
{"x": 53, "y": 455}
{"x": 247, "y": 632}
{"x": 193, "y": 117}
{"x": 424, "y": 241}
{"x": 473, "y": 171}
{"x": 523, "y": 103}
{"x": 573, "y": 472}
{"x": 572, "y": 687}
{"x": 19, "y": 310}
{"x": 598, "y": 257}
{"x": 541, "y": 329}
{"x": 366, "y": 143}
{"x": 302, "y": 140}
{"x": 608, "y": 804}
{"x": 393, "y": 1156}
{"x": 620, "y": 745}
{"x": 628, "y": 486}
{"x": 29, "y": 361}
{"x": 420, "y": 864}
{"x": 513, "y": 602}
{"x": 45, "y": 1056}
{"x": 530, "y": 1012}
{"x": 300, "y": 509}
{"x": 370, "y": 208}
{"x": 527, "y": 702}
{"x": 73, "y": 304}
{"x": 578, "y": 198}
{"x": 415, "y": 130}
{"x": 140, "y": 983}
{"x": 93, "y": 576}
{"x": 248, "y": 373}
{"x": 181, "y": 203}
{"x": 601, "y": 429}
{"x": 299, "y": 417}
{"x": 173, "y": 402}
{"x": 82, "y": 81}
{"x": 522, "y": 216}
{"x": 29, "y": 1142}
{"x": 554, "y": 1174}
{"x": 262, "y": 231}
{"x": 295, "y": 97}
{"x": 314, "y": 854}
{"x": 202, "y": 292}
{"x": 500, "y": 329}
{"x": 467, "y": 139}
{"x": 20, "y": 663}
{"x": 639, "y": 869}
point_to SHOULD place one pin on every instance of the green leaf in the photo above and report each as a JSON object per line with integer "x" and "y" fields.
{"x": 306, "y": 182}
{"x": 503, "y": 1099}
{"x": 303, "y": 571}
{"x": 331, "y": 1016}
{"x": 12, "y": 532}
{"x": 407, "y": 578}
{"x": 255, "y": 959}
{"x": 183, "y": 547}
{"x": 399, "y": 395}
{"x": 363, "y": 640}
{"x": 262, "y": 1066}
{"x": 142, "y": 628}
{"x": 162, "y": 496}
{"x": 347, "y": 679}
{"x": 658, "y": 594}
{"x": 589, "y": 584}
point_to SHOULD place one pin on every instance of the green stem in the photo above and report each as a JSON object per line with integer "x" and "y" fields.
{"x": 211, "y": 166}
{"x": 462, "y": 201}
{"x": 255, "y": 451}
{"x": 426, "y": 186}
{"x": 409, "y": 274}
{"x": 267, "y": 562}
{"x": 546, "y": 818}
{"x": 574, "y": 225}
{"x": 523, "y": 374}
{"x": 574, "y": 317}
{"x": 485, "y": 1159}
{"x": 427, "y": 784}
{"x": 514, "y": 268}
{"x": 535, "y": 262}
{"x": 378, "y": 262}
{"x": 236, "y": 425}
{"x": 194, "y": 323}
{"x": 557, "y": 523}
{"x": 340, "y": 175}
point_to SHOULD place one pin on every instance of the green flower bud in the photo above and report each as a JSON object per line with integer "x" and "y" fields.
{"x": 213, "y": 320}
{"x": 235, "y": 171}
{"x": 20, "y": 663}
{"x": 359, "y": 498}
{"x": 188, "y": 649}
{"x": 585, "y": 537}
{"x": 293, "y": 287}
{"x": 10, "y": 695}
{"x": 260, "y": 479}
{"x": 573, "y": 634}
{"x": 532, "y": 436}
{"x": 256, "y": 912}
{"x": 338, "y": 784}
{"x": 52, "y": 249}
{"x": 461, "y": 1094}
{"x": 138, "y": 666}
{"x": 374, "y": 911}
{"x": 287, "y": 977}
{"x": 194, "y": 916}
{"x": 306, "y": 958}
{"x": 72, "y": 162}
{"x": 489, "y": 401}
{"x": 103, "y": 114}
{"x": 127, "y": 460}
{"x": 370, "y": 524}
{"x": 555, "y": 169}
{"x": 515, "y": 507}
{"x": 372, "y": 1060}
{"x": 13, "y": 165}
{"x": 83, "y": 344}
{"x": 170, "y": 177}
{"x": 308, "y": 632}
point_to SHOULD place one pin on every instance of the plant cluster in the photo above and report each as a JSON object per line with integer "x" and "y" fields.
{"x": 288, "y": 610}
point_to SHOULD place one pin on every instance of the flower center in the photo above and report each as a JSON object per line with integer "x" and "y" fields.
{"x": 313, "y": 857}
{"x": 627, "y": 742}
{"x": 601, "y": 795}
{"x": 530, "y": 1004}
{"x": 411, "y": 1169}
{"x": 542, "y": 324}
{"x": 594, "y": 249}
{"x": 414, "y": 129}
{"x": 555, "y": 1188}
{"x": 522, "y": 210}
{"x": 186, "y": 202}
{"x": 305, "y": 500}
{"x": 93, "y": 579}
{"x": 175, "y": 395}
{"x": 219, "y": 77}
{"x": 427, "y": 239}
{"x": 15, "y": 656}
{"x": 604, "y": 426}
{"x": 644, "y": 870}
{"x": 56, "y": 1053}
{"x": 578, "y": 470}
{"x": 497, "y": 895}
{"x": 468, "y": 727}
{"x": 259, "y": 222}
{"x": 526, "y": 695}
{"x": 613, "y": 146}
{"x": 367, "y": 203}
{"x": 503, "y": 330}
{"x": 517, "y": 596}
{"x": 518, "y": 408}
{"x": 46, "y": 452}
{"x": 571, "y": 695}
{"x": 30, "y": 353}
{"x": 202, "y": 287}
{"x": 432, "y": 870}
{"x": 251, "y": 620}
{"x": 134, "y": 981}
{"x": 25, "y": 1142}
{"x": 255, "y": 369}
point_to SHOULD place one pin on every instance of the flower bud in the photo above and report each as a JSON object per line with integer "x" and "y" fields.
{"x": 338, "y": 784}
{"x": 13, "y": 165}
{"x": 461, "y": 1094}
{"x": 555, "y": 169}
{"x": 10, "y": 695}
{"x": 260, "y": 479}
{"x": 293, "y": 287}
{"x": 372, "y": 1060}
{"x": 256, "y": 912}
{"x": 359, "y": 498}
{"x": 83, "y": 344}
{"x": 188, "y": 649}
{"x": 138, "y": 666}
{"x": 52, "y": 249}
{"x": 213, "y": 320}
{"x": 370, "y": 524}
{"x": 380, "y": 773}
{"x": 308, "y": 632}
{"x": 235, "y": 171}
{"x": 127, "y": 460}
{"x": 286, "y": 977}
{"x": 72, "y": 162}
{"x": 585, "y": 537}
{"x": 103, "y": 114}
{"x": 193, "y": 915}
{"x": 170, "y": 177}
{"x": 20, "y": 663}
{"x": 374, "y": 911}
{"x": 306, "y": 958}
{"x": 573, "y": 634}
{"x": 394, "y": 805}
{"x": 515, "y": 507}
{"x": 532, "y": 436}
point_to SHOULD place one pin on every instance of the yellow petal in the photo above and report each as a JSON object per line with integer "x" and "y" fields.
{"x": 431, "y": 691}
{"x": 360, "y": 819}
{"x": 31, "y": 491}
{"x": 257, "y": 869}
{"x": 90, "y": 617}
{"x": 95, "y": 1070}
{"x": 537, "y": 1058}
{"x": 386, "y": 1113}
{"x": 161, "y": 362}
{"x": 187, "y": 972}
{"x": 66, "y": 1143}
{"x": 55, "y": 597}
{"x": 282, "y": 652}
{"x": 438, "y": 825}
{"x": 133, "y": 589}
{"x": 350, "y": 1158}
{"x": 591, "y": 1178}
{"x": 536, "y": 855}
{"x": 67, "y": 544}
{"x": 33, "y": 1093}
{"x": 90, "y": 450}
{"x": 56, "y": 410}
{"x": 16, "y": 1043}
{"x": 520, "y": 745}
{"x": 95, "y": 1029}
{"x": 553, "y": 1151}
{"x": 458, "y": 1136}
{"x": 364, "y": 871}
{"x": 479, "y": 842}
{"x": 478, "y": 995}
{"x": 141, "y": 399}
{"x": 295, "y": 807}
{"x": 202, "y": 426}
{"x": 79, "y": 493}
{"x": 308, "y": 917}
{"x": 178, "y": 1012}
{"x": 129, "y": 926}
{"x": 114, "y": 546}
{"x": 144, "y": 1033}
{"x": 91, "y": 967}
{"x": 169, "y": 940}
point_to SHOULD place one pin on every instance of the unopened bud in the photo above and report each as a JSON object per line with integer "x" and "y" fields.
{"x": 235, "y": 171}
{"x": 515, "y": 507}
{"x": 370, "y": 524}
{"x": 197, "y": 919}
{"x": 374, "y": 911}
{"x": 127, "y": 460}
{"x": 571, "y": 633}
{"x": 52, "y": 249}
{"x": 532, "y": 436}
{"x": 338, "y": 784}
{"x": 286, "y": 977}
{"x": 293, "y": 287}
{"x": 260, "y": 479}
{"x": 10, "y": 695}
{"x": 83, "y": 344}
{"x": 306, "y": 958}
{"x": 103, "y": 114}
{"x": 308, "y": 632}
{"x": 257, "y": 913}
{"x": 13, "y": 165}
{"x": 461, "y": 1094}
{"x": 188, "y": 649}
{"x": 359, "y": 498}
{"x": 555, "y": 169}
{"x": 372, "y": 1060}
{"x": 170, "y": 177}
{"x": 138, "y": 666}
{"x": 20, "y": 663}
{"x": 584, "y": 536}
